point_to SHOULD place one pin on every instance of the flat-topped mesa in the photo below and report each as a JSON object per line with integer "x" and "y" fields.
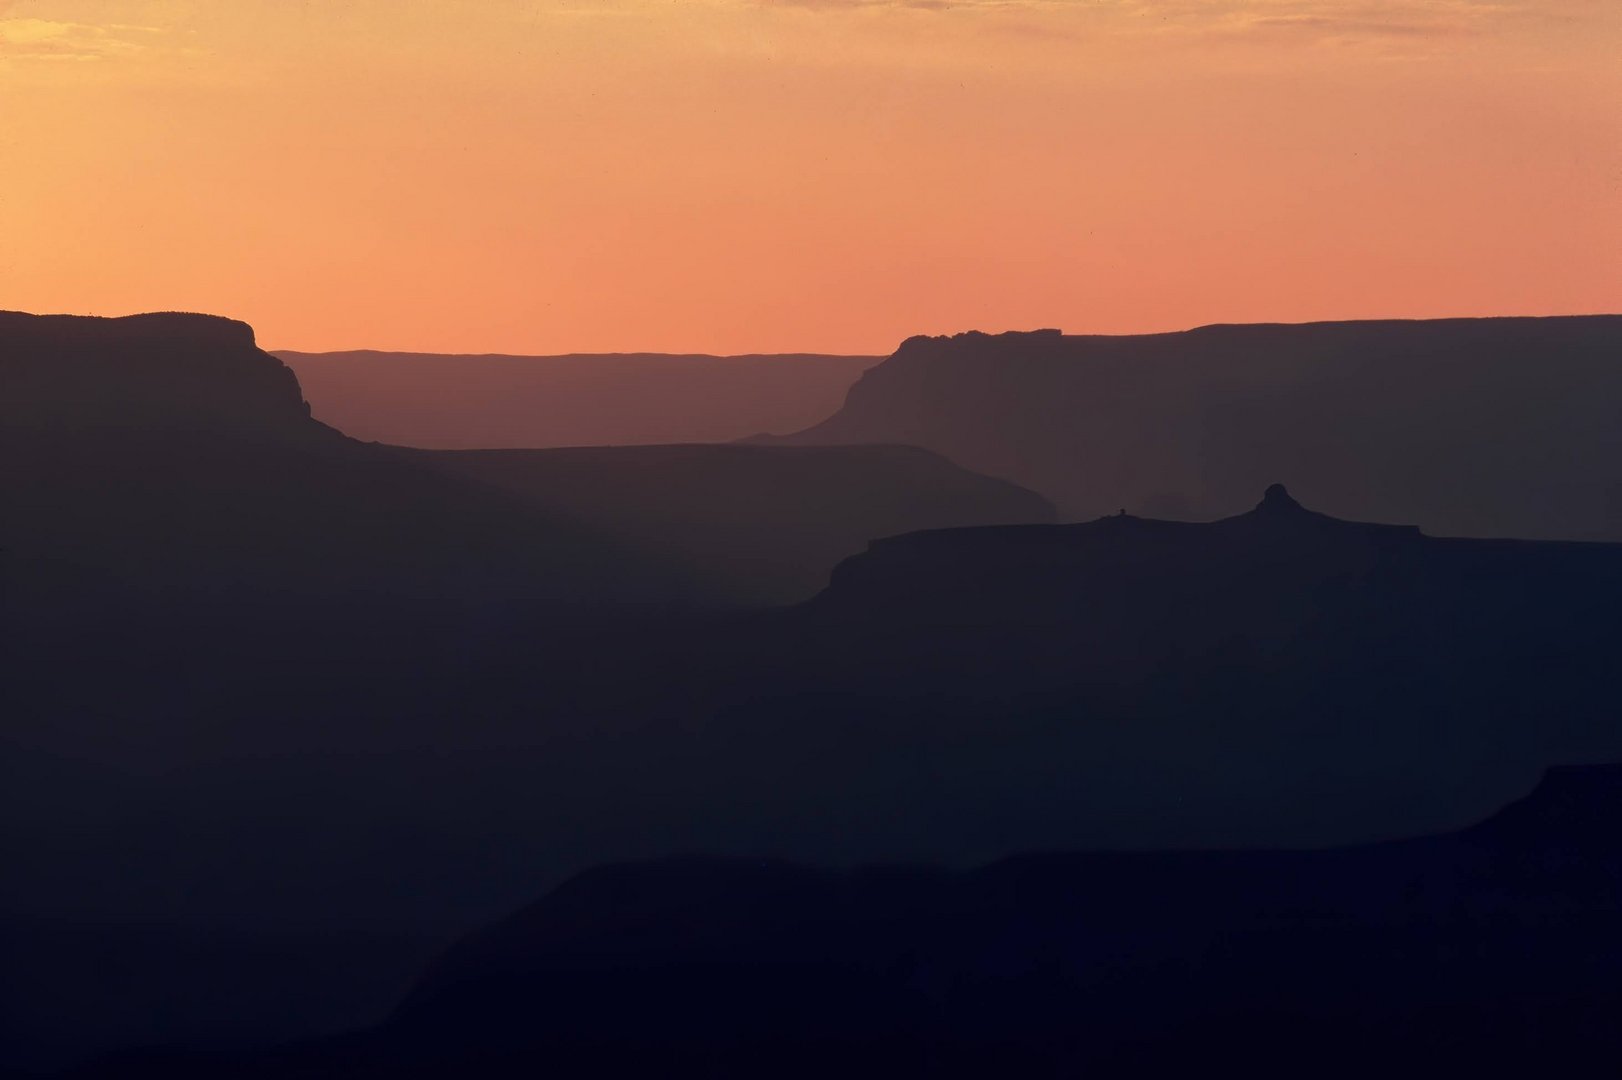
{"x": 173, "y": 328}
{"x": 1447, "y": 424}
{"x": 162, "y": 371}
{"x": 1279, "y": 550}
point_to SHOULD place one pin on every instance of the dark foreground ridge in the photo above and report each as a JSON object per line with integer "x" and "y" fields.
{"x": 335, "y": 776}
{"x": 1465, "y": 427}
{"x": 1496, "y": 950}
{"x": 1277, "y": 681}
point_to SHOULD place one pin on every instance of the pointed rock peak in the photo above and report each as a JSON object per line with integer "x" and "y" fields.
{"x": 1277, "y": 499}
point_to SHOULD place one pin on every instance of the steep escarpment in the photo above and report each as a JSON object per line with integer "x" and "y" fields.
{"x": 161, "y": 371}
{"x": 166, "y": 455}
{"x": 1473, "y": 427}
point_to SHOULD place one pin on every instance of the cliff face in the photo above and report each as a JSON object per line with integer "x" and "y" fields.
{"x": 165, "y": 371}
{"x": 168, "y": 454}
{"x": 1472, "y": 427}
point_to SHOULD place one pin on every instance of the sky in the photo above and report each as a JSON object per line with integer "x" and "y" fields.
{"x": 830, "y": 175}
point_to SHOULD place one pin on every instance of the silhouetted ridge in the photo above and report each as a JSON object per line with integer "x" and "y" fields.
{"x": 1470, "y": 427}
{"x": 757, "y": 911}
{"x": 169, "y": 328}
{"x": 1013, "y": 339}
{"x": 1039, "y": 563}
{"x": 157, "y": 371}
{"x": 167, "y": 450}
{"x": 1495, "y": 949}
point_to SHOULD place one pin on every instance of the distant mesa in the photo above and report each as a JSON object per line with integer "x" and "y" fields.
{"x": 1465, "y": 427}
{"x": 482, "y": 402}
{"x": 1043, "y": 568}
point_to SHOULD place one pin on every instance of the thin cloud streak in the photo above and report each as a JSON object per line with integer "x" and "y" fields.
{"x": 48, "y": 40}
{"x": 1337, "y": 19}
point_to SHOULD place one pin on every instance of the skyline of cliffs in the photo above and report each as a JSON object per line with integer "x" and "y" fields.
{"x": 1471, "y": 427}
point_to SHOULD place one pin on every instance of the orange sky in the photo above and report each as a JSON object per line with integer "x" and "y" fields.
{"x": 735, "y": 175}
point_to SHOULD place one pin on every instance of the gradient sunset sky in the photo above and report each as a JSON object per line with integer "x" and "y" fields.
{"x": 742, "y": 175}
